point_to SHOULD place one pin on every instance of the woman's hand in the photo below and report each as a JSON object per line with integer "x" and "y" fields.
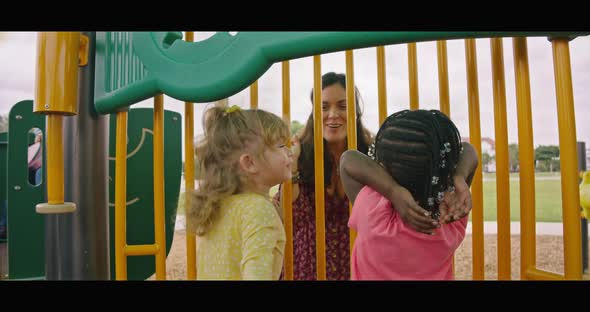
{"x": 457, "y": 204}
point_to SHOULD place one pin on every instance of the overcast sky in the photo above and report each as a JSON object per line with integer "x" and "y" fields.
{"x": 17, "y": 76}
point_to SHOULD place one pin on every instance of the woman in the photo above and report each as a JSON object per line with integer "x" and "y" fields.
{"x": 336, "y": 203}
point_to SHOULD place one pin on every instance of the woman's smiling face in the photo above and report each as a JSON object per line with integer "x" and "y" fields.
{"x": 334, "y": 113}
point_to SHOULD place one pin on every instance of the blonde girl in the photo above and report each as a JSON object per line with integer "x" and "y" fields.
{"x": 240, "y": 233}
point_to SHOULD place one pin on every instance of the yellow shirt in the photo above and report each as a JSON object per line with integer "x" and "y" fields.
{"x": 247, "y": 241}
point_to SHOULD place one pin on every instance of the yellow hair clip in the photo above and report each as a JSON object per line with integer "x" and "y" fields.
{"x": 232, "y": 109}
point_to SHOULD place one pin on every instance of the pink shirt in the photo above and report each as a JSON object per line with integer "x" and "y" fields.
{"x": 386, "y": 249}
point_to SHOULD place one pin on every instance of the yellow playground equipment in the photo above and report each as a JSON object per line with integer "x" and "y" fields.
{"x": 123, "y": 68}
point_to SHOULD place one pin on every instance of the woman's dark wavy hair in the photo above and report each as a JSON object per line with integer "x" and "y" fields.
{"x": 306, "y": 160}
{"x": 420, "y": 149}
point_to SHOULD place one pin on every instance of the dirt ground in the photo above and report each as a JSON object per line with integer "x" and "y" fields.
{"x": 549, "y": 257}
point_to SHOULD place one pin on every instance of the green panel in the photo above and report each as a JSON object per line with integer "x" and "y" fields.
{"x": 223, "y": 65}
{"x": 119, "y": 65}
{"x": 140, "y": 201}
{"x": 26, "y": 228}
{"x": 3, "y": 164}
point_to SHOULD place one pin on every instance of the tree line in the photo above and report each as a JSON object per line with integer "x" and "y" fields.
{"x": 546, "y": 158}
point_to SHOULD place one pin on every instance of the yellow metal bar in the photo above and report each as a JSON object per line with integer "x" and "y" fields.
{"x": 120, "y": 197}
{"x": 443, "y": 77}
{"x": 56, "y": 79}
{"x": 56, "y": 94}
{"x": 254, "y": 95}
{"x": 381, "y": 85}
{"x": 413, "y": 76}
{"x": 541, "y": 275}
{"x": 351, "y": 122}
{"x": 318, "y": 143}
{"x": 159, "y": 224}
{"x": 141, "y": 250}
{"x": 572, "y": 239}
{"x": 287, "y": 188}
{"x": 526, "y": 156}
{"x": 502, "y": 172}
{"x": 443, "y": 86}
{"x": 189, "y": 179}
{"x": 55, "y": 160}
{"x": 475, "y": 140}
{"x": 83, "y": 51}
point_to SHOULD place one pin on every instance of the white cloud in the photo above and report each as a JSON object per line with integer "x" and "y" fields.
{"x": 17, "y": 76}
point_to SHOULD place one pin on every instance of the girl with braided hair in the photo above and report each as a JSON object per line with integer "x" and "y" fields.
{"x": 417, "y": 155}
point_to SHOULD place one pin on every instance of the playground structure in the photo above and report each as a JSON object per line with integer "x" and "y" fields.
{"x": 89, "y": 75}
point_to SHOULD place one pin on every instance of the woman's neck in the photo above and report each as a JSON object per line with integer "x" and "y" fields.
{"x": 336, "y": 149}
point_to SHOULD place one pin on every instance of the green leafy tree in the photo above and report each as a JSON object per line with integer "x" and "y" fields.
{"x": 3, "y": 123}
{"x": 296, "y": 126}
{"x": 513, "y": 157}
{"x": 486, "y": 159}
{"x": 547, "y": 157}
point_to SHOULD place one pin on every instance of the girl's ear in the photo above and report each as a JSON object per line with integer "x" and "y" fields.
{"x": 247, "y": 164}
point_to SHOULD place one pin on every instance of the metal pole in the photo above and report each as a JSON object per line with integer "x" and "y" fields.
{"x": 77, "y": 244}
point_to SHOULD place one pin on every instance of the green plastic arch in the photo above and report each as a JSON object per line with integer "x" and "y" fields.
{"x": 223, "y": 65}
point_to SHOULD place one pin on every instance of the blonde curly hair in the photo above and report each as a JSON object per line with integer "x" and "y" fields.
{"x": 228, "y": 133}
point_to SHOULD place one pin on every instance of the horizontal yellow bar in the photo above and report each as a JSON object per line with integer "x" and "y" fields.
{"x": 141, "y": 250}
{"x": 541, "y": 275}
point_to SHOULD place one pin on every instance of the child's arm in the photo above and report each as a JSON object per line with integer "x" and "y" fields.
{"x": 358, "y": 170}
{"x": 459, "y": 204}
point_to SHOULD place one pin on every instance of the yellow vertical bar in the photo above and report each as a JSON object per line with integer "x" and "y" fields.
{"x": 351, "y": 122}
{"x": 572, "y": 239}
{"x": 526, "y": 157}
{"x": 381, "y": 86}
{"x": 502, "y": 174}
{"x": 287, "y": 188}
{"x": 443, "y": 77}
{"x": 254, "y": 95}
{"x": 318, "y": 143}
{"x": 55, "y": 159}
{"x": 120, "y": 197}
{"x": 56, "y": 91}
{"x": 443, "y": 86}
{"x": 413, "y": 76}
{"x": 56, "y": 79}
{"x": 475, "y": 140}
{"x": 189, "y": 179}
{"x": 159, "y": 225}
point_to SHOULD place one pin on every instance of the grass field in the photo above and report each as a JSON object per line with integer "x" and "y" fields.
{"x": 547, "y": 197}
{"x": 547, "y": 200}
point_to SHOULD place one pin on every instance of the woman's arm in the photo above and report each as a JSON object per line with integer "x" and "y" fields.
{"x": 468, "y": 163}
{"x": 457, "y": 205}
{"x": 358, "y": 170}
